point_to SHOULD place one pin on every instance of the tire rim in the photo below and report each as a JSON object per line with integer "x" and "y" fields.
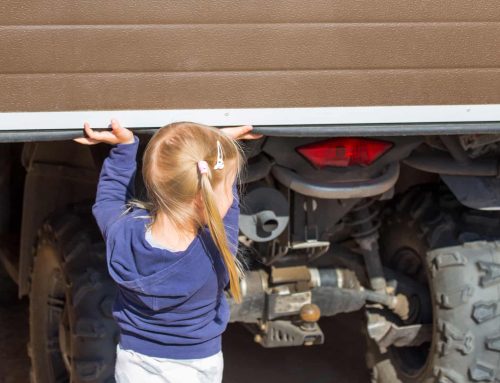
{"x": 413, "y": 361}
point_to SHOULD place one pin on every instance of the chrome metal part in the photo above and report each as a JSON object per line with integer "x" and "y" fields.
{"x": 339, "y": 190}
{"x": 387, "y": 334}
{"x": 282, "y": 333}
{"x": 264, "y": 214}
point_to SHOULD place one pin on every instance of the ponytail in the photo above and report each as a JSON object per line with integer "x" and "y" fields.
{"x": 174, "y": 186}
{"x": 216, "y": 227}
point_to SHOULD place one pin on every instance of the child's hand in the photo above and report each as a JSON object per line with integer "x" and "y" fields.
{"x": 117, "y": 135}
{"x": 241, "y": 132}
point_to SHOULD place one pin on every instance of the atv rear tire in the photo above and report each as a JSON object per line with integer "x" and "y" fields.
{"x": 464, "y": 281}
{"x": 72, "y": 332}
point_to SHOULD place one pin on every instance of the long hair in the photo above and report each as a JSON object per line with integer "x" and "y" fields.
{"x": 172, "y": 183}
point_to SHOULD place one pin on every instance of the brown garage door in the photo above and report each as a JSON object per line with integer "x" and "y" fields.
{"x": 170, "y": 54}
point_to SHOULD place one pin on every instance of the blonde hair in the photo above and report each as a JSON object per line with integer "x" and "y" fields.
{"x": 172, "y": 183}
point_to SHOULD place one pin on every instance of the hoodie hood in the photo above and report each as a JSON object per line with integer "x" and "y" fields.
{"x": 136, "y": 265}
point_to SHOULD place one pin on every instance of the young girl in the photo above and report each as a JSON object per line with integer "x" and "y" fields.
{"x": 172, "y": 256}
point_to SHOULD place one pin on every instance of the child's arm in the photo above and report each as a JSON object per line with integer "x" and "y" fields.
{"x": 116, "y": 180}
{"x": 116, "y": 184}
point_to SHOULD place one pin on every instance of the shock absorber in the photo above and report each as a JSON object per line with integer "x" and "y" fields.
{"x": 365, "y": 224}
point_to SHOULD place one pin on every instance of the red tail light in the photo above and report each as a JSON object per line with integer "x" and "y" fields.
{"x": 343, "y": 152}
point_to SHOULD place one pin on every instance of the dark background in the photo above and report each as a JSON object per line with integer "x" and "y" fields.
{"x": 339, "y": 360}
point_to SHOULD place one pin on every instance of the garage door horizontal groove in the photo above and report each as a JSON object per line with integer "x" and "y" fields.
{"x": 255, "y": 71}
{"x": 235, "y": 25}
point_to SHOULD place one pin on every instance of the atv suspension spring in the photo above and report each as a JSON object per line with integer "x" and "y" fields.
{"x": 363, "y": 219}
{"x": 365, "y": 224}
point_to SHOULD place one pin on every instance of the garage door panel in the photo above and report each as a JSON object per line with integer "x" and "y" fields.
{"x": 251, "y": 89}
{"x": 248, "y": 47}
{"x": 51, "y": 12}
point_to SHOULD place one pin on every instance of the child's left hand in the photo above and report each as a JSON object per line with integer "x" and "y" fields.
{"x": 241, "y": 132}
{"x": 117, "y": 135}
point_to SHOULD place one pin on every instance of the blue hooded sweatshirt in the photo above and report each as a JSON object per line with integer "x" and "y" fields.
{"x": 169, "y": 304}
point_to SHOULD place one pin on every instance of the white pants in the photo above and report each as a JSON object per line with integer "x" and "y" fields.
{"x": 133, "y": 367}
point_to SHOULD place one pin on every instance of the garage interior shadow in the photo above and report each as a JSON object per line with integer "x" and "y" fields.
{"x": 339, "y": 360}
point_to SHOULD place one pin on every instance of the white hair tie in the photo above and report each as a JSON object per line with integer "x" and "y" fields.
{"x": 220, "y": 161}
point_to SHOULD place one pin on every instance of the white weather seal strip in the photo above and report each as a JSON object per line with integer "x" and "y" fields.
{"x": 298, "y": 122}
{"x": 263, "y": 117}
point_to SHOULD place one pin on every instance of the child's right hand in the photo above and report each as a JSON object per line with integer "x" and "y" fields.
{"x": 117, "y": 135}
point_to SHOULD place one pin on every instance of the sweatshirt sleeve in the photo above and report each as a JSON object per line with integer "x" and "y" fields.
{"x": 231, "y": 221}
{"x": 116, "y": 184}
